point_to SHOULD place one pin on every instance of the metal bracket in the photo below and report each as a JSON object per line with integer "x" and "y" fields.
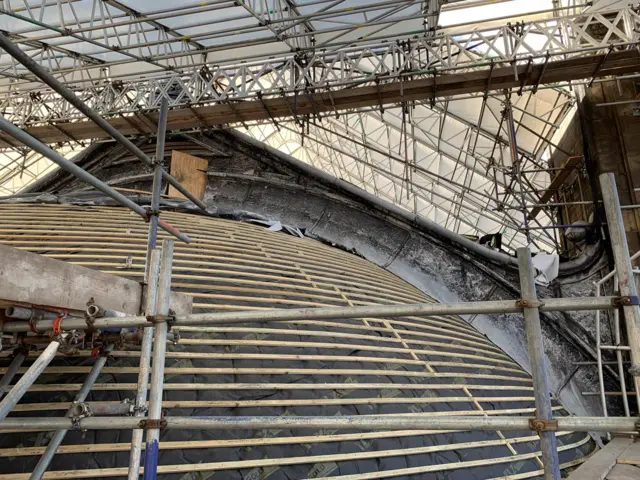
{"x": 132, "y": 407}
{"x": 151, "y": 424}
{"x": 142, "y": 410}
{"x": 79, "y": 410}
{"x": 90, "y": 318}
{"x": 625, "y": 301}
{"x": 539, "y": 425}
{"x": 529, "y": 303}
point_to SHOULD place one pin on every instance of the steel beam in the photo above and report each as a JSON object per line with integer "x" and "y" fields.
{"x": 390, "y": 93}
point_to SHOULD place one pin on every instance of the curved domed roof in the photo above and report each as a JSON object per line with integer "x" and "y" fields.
{"x": 397, "y": 366}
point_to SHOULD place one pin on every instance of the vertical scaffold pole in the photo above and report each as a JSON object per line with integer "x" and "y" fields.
{"x": 157, "y": 365}
{"x": 533, "y": 329}
{"x": 515, "y": 161}
{"x": 157, "y": 184}
{"x": 624, "y": 271}
{"x": 145, "y": 365}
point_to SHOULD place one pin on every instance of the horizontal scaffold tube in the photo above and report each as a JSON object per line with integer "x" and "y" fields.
{"x": 363, "y": 422}
{"x": 330, "y": 313}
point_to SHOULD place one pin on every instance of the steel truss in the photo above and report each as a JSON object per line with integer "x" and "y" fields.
{"x": 431, "y": 158}
{"x": 318, "y": 69}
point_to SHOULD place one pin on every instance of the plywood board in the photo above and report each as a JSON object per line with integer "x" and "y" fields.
{"x": 601, "y": 462}
{"x": 30, "y": 278}
{"x": 191, "y": 172}
{"x": 631, "y": 456}
{"x": 624, "y": 472}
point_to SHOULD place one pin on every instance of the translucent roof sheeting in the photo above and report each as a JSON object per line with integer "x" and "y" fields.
{"x": 439, "y": 169}
{"x": 449, "y": 161}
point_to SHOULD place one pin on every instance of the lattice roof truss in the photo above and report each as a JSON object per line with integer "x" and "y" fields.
{"x": 451, "y": 159}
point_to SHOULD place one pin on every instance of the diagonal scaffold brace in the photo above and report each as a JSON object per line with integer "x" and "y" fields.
{"x": 46, "y": 77}
{"x": 81, "y": 396}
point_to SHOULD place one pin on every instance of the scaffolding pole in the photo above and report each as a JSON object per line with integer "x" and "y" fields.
{"x": 30, "y": 376}
{"x": 358, "y": 422}
{"x": 515, "y": 161}
{"x": 624, "y": 270}
{"x": 157, "y": 366}
{"x": 81, "y": 396}
{"x": 20, "y": 356}
{"x": 55, "y": 157}
{"x": 140, "y": 406}
{"x": 533, "y": 329}
{"x": 573, "y": 304}
{"x": 154, "y": 214}
{"x": 74, "y": 100}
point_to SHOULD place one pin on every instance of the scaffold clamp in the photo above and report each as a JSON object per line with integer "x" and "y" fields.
{"x": 150, "y": 424}
{"x": 540, "y": 425}
{"x": 161, "y": 318}
{"x": 626, "y": 301}
{"x": 522, "y": 303}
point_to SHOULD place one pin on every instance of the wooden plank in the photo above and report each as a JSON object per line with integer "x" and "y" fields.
{"x": 631, "y": 456}
{"x": 624, "y": 472}
{"x": 556, "y": 183}
{"x": 601, "y": 462}
{"x": 133, "y": 190}
{"x": 279, "y": 371}
{"x": 627, "y": 61}
{"x": 190, "y": 387}
{"x": 318, "y": 459}
{"x": 191, "y": 172}
{"x": 33, "y": 279}
{"x": 201, "y": 444}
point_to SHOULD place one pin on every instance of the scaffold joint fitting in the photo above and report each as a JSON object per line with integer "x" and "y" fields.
{"x": 522, "y": 303}
{"x": 150, "y": 424}
{"x": 540, "y": 425}
{"x": 161, "y": 318}
{"x": 625, "y": 301}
